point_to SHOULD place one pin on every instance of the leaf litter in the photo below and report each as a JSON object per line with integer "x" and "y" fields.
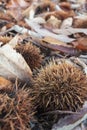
{"x": 34, "y": 34}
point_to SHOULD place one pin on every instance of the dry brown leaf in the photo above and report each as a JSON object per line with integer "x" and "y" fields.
{"x": 80, "y": 22}
{"x": 15, "y": 14}
{"x": 13, "y": 65}
{"x": 17, "y": 3}
{"x": 15, "y": 7}
{"x": 50, "y": 40}
{"x": 43, "y": 6}
{"x": 81, "y": 43}
{"x": 65, "y": 5}
{"x": 61, "y": 14}
{"x": 23, "y": 3}
{"x": 5, "y": 16}
{"x": 57, "y": 45}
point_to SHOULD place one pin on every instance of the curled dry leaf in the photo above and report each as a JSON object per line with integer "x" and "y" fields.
{"x": 17, "y": 3}
{"x": 61, "y": 14}
{"x": 70, "y": 122}
{"x": 80, "y": 63}
{"x": 29, "y": 12}
{"x": 14, "y": 41}
{"x": 70, "y": 31}
{"x": 13, "y": 65}
{"x": 57, "y": 45}
{"x": 83, "y": 58}
{"x": 5, "y": 16}
{"x": 80, "y": 22}
{"x": 65, "y": 5}
{"x": 81, "y": 43}
{"x": 15, "y": 14}
{"x": 43, "y": 32}
{"x": 67, "y": 23}
{"x": 81, "y": 1}
{"x": 50, "y": 40}
{"x": 44, "y": 6}
{"x": 15, "y": 7}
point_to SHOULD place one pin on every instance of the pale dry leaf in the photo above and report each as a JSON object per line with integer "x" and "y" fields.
{"x": 23, "y": 30}
{"x": 75, "y": 6}
{"x": 11, "y": 4}
{"x": 17, "y": 3}
{"x": 85, "y": 104}
{"x": 70, "y": 31}
{"x": 67, "y": 23}
{"x": 81, "y": 1}
{"x": 39, "y": 20}
{"x": 13, "y": 65}
{"x": 82, "y": 126}
{"x": 23, "y": 3}
{"x": 44, "y": 32}
{"x": 71, "y": 122}
{"x": 60, "y": 47}
{"x": 83, "y": 58}
{"x": 81, "y": 63}
{"x": 19, "y": 29}
{"x": 29, "y": 12}
{"x": 50, "y": 40}
{"x": 14, "y": 41}
{"x": 41, "y": 32}
{"x": 77, "y": 128}
{"x": 15, "y": 13}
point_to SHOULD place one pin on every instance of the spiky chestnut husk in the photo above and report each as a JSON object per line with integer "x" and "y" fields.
{"x": 15, "y": 110}
{"x": 60, "y": 86}
{"x": 31, "y": 54}
{"x": 5, "y": 39}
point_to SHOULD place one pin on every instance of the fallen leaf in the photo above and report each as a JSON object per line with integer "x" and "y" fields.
{"x": 80, "y": 22}
{"x": 14, "y": 41}
{"x": 60, "y": 14}
{"x": 50, "y": 40}
{"x": 43, "y": 32}
{"x": 70, "y": 122}
{"x": 70, "y": 31}
{"x": 81, "y": 43}
{"x": 15, "y": 14}
{"x": 17, "y": 3}
{"x": 67, "y": 23}
{"x": 56, "y": 45}
{"x": 13, "y": 65}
